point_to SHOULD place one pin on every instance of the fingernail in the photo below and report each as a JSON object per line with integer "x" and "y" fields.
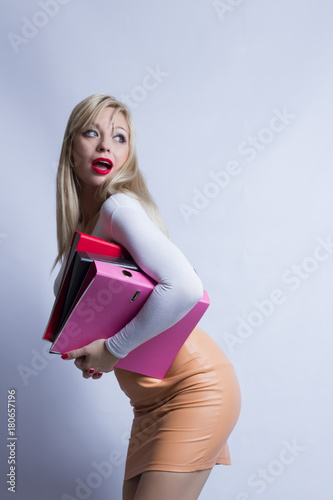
{"x": 64, "y": 356}
{"x": 99, "y": 374}
{"x": 91, "y": 370}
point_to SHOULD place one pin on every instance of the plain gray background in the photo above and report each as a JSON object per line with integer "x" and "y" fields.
{"x": 233, "y": 111}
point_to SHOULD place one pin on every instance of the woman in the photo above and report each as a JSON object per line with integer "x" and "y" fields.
{"x": 181, "y": 423}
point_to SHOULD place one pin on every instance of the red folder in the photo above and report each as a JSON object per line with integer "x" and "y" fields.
{"x": 82, "y": 243}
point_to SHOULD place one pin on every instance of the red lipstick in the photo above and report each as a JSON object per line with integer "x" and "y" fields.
{"x": 102, "y": 165}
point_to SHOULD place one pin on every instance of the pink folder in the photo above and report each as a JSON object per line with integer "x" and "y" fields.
{"x": 109, "y": 298}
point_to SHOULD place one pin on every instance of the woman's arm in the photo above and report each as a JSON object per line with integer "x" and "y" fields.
{"x": 178, "y": 287}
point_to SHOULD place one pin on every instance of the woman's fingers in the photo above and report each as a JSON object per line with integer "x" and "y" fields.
{"x": 91, "y": 374}
{"x": 77, "y": 353}
{"x": 81, "y": 363}
{"x": 88, "y": 373}
{"x": 94, "y": 354}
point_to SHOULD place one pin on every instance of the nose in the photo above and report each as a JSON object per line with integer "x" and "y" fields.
{"x": 104, "y": 144}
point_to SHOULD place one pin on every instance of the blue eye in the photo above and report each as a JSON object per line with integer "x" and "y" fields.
{"x": 120, "y": 138}
{"x": 90, "y": 133}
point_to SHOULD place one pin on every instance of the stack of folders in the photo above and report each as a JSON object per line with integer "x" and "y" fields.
{"x": 102, "y": 289}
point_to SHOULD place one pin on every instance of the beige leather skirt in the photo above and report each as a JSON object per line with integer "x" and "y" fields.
{"x": 181, "y": 423}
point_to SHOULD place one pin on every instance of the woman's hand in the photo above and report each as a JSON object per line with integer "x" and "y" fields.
{"x": 93, "y": 360}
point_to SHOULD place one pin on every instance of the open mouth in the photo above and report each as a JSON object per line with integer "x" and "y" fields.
{"x": 102, "y": 166}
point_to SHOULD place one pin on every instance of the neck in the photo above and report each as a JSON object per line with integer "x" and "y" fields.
{"x": 89, "y": 208}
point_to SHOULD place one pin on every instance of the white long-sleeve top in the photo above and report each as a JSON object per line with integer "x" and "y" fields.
{"x": 123, "y": 220}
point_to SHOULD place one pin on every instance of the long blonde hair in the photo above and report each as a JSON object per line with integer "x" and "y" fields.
{"x": 128, "y": 179}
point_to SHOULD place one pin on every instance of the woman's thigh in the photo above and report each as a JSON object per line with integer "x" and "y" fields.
{"x": 130, "y": 486}
{"x": 165, "y": 485}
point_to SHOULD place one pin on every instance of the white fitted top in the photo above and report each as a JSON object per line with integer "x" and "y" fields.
{"x": 123, "y": 220}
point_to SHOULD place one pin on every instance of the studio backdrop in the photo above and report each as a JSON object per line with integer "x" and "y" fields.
{"x": 232, "y": 105}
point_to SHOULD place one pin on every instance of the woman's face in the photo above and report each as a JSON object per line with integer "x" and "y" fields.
{"x": 101, "y": 150}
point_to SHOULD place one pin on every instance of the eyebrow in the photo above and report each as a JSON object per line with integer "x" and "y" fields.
{"x": 97, "y": 126}
{"x": 122, "y": 129}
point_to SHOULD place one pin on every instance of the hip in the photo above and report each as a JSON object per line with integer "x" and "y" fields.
{"x": 201, "y": 369}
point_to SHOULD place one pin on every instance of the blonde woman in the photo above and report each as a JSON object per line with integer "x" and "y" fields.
{"x": 181, "y": 423}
